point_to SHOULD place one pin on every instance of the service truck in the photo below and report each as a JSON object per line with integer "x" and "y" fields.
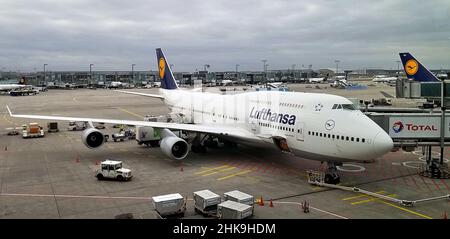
{"x": 33, "y": 130}
{"x": 111, "y": 169}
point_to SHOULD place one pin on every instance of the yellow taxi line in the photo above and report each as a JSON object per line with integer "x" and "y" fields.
{"x": 131, "y": 113}
{"x": 211, "y": 169}
{"x": 362, "y": 195}
{"x": 406, "y": 210}
{"x": 371, "y": 199}
{"x": 235, "y": 174}
{"x": 218, "y": 171}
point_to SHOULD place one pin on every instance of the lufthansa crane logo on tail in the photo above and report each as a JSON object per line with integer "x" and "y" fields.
{"x": 162, "y": 67}
{"x": 411, "y": 67}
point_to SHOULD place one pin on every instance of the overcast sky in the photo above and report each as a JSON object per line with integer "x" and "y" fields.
{"x": 113, "y": 34}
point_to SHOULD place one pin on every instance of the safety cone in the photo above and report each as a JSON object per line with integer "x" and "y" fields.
{"x": 445, "y": 215}
{"x": 6, "y": 148}
{"x": 271, "y": 203}
{"x": 97, "y": 162}
{"x": 261, "y": 202}
{"x": 181, "y": 169}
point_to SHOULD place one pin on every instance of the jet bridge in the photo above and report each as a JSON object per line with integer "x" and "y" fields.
{"x": 411, "y": 130}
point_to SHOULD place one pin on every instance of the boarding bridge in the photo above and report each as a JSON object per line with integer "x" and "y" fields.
{"x": 412, "y": 130}
{"x": 431, "y": 91}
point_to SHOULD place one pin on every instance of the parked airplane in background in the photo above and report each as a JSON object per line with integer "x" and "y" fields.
{"x": 414, "y": 70}
{"x": 10, "y": 87}
{"x": 320, "y": 127}
{"x": 115, "y": 84}
{"x": 384, "y": 79}
{"x": 317, "y": 80}
{"x": 226, "y": 82}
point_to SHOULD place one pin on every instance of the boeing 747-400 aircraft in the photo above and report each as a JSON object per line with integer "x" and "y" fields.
{"x": 321, "y": 127}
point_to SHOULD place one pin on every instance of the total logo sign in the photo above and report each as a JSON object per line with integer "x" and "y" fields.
{"x": 398, "y": 126}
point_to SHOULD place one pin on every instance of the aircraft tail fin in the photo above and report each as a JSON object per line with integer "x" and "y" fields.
{"x": 165, "y": 73}
{"x": 414, "y": 70}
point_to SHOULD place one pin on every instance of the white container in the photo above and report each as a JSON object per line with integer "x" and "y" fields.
{"x": 169, "y": 204}
{"x": 233, "y": 210}
{"x": 206, "y": 201}
{"x": 238, "y": 196}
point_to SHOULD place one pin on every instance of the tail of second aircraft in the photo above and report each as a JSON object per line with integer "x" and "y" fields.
{"x": 165, "y": 73}
{"x": 415, "y": 70}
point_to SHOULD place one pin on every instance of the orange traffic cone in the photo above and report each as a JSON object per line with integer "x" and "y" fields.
{"x": 261, "y": 202}
{"x": 97, "y": 162}
{"x": 271, "y": 203}
{"x": 6, "y": 148}
{"x": 181, "y": 169}
{"x": 445, "y": 215}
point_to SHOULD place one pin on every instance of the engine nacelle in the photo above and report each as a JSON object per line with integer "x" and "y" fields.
{"x": 92, "y": 138}
{"x": 174, "y": 147}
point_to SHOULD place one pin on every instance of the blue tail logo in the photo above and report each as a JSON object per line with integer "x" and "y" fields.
{"x": 165, "y": 73}
{"x": 414, "y": 70}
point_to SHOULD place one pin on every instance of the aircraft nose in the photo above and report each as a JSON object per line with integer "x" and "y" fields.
{"x": 382, "y": 143}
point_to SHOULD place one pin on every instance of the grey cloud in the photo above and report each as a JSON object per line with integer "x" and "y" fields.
{"x": 113, "y": 34}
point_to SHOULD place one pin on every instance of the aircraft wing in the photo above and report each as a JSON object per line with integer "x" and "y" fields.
{"x": 222, "y": 130}
{"x": 141, "y": 94}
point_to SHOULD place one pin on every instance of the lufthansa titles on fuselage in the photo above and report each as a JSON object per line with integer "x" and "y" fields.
{"x": 268, "y": 115}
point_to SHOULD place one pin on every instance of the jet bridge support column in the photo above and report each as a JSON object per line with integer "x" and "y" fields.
{"x": 435, "y": 167}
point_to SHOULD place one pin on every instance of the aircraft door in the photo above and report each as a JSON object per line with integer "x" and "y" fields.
{"x": 300, "y": 131}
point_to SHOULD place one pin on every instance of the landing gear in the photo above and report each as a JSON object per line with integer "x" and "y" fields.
{"x": 197, "y": 145}
{"x": 332, "y": 177}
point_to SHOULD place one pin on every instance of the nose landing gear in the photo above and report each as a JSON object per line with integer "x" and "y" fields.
{"x": 331, "y": 176}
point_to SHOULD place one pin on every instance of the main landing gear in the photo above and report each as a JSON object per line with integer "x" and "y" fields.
{"x": 331, "y": 176}
{"x": 197, "y": 144}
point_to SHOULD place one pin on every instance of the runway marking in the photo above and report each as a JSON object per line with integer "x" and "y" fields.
{"x": 314, "y": 208}
{"x": 235, "y": 174}
{"x": 218, "y": 171}
{"x": 361, "y": 195}
{"x": 129, "y": 112}
{"x": 70, "y": 196}
{"x": 140, "y": 198}
{"x": 124, "y": 150}
{"x": 406, "y": 210}
{"x": 371, "y": 199}
{"x": 211, "y": 169}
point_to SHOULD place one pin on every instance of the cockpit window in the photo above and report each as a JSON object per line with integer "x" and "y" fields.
{"x": 334, "y": 106}
{"x": 348, "y": 107}
{"x": 339, "y": 107}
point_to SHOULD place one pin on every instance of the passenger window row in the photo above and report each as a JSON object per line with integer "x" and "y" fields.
{"x": 337, "y": 137}
{"x": 292, "y": 105}
{"x": 289, "y": 129}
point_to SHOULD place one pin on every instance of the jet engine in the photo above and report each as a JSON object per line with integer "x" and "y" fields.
{"x": 92, "y": 138}
{"x": 174, "y": 147}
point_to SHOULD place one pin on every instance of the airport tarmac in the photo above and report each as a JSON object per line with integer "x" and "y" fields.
{"x": 53, "y": 177}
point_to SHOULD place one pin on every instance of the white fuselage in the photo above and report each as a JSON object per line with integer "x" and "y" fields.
{"x": 385, "y": 79}
{"x": 308, "y": 122}
{"x": 8, "y": 87}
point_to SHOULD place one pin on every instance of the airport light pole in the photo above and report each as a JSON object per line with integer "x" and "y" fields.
{"x": 398, "y": 68}
{"x": 293, "y": 70}
{"x": 132, "y": 72}
{"x": 45, "y": 79}
{"x": 90, "y": 73}
{"x": 337, "y": 66}
{"x": 264, "y": 69}
{"x": 237, "y": 65}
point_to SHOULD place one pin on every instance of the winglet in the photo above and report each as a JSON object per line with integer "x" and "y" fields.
{"x": 9, "y": 111}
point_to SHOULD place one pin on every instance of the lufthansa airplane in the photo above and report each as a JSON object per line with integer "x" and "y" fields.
{"x": 321, "y": 127}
